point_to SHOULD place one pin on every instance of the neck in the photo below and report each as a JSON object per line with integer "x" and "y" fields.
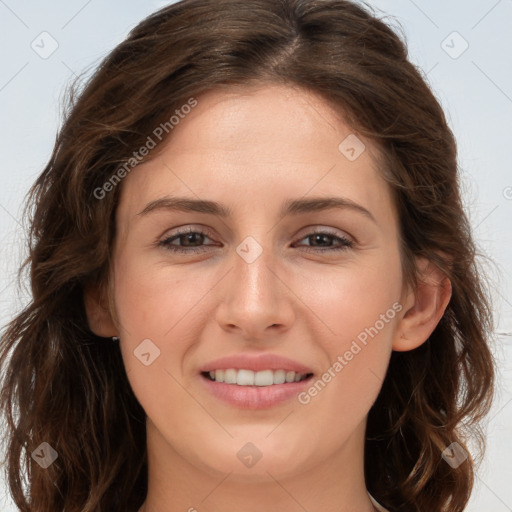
{"x": 176, "y": 485}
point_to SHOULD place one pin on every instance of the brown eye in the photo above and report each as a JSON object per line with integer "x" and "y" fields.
{"x": 320, "y": 242}
{"x": 190, "y": 241}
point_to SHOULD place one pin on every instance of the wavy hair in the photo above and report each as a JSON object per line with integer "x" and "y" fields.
{"x": 66, "y": 386}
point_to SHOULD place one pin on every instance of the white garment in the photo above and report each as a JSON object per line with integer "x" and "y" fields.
{"x": 379, "y": 507}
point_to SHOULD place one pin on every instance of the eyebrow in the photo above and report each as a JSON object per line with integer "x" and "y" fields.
{"x": 289, "y": 207}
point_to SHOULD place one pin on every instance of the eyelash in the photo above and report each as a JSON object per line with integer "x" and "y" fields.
{"x": 166, "y": 243}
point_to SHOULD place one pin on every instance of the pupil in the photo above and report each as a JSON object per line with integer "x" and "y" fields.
{"x": 319, "y": 237}
{"x": 189, "y": 237}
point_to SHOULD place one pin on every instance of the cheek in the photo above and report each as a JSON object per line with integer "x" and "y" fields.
{"x": 156, "y": 300}
{"x": 352, "y": 301}
{"x": 360, "y": 309}
{"x": 152, "y": 306}
{"x": 339, "y": 398}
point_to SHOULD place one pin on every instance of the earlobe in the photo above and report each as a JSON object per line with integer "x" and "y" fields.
{"x": 98, "y": 313}
{"x": 424, "y": 308}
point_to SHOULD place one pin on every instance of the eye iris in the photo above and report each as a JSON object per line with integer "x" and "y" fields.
{"x": 320, "y": 236}
{"x": 189, "y": 238}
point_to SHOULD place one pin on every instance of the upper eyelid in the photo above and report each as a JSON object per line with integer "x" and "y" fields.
{"x": 184, "y": 230}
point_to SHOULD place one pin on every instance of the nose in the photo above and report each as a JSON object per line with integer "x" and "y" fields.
{"x": 254, "y": 298}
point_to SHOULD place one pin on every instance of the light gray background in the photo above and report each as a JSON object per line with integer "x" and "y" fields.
{"x": 475, "y": 88}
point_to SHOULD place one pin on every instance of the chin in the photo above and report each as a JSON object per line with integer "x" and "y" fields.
{"x": 253, "y": 461}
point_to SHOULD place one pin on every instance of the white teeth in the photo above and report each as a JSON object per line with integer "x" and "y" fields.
{"x": 290, "y": 376}
{"x": 230, "y": 376}
{"x": 250, "y": 378}
{"x": 263, "y": 378}
{"x": 245, "y": 378}
{"x": 279, "y": 377}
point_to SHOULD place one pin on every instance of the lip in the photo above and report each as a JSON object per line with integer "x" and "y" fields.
{"x": 255, "y": 397}
{"x": 256, "y": 363}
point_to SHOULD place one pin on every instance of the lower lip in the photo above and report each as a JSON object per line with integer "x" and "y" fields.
{"x": 255, "y": 397}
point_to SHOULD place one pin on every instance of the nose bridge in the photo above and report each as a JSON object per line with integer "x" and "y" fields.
{"x": 253, "y": 280}
{"x": 253, "y": 297}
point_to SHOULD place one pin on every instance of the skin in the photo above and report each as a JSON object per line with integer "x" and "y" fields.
{"x": 251, "y": 150}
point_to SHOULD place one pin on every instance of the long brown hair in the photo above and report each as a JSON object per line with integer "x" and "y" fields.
{"x": 66, "y": 386}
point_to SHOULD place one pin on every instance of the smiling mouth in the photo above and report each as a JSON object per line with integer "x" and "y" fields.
{"x": 250, "y": 378}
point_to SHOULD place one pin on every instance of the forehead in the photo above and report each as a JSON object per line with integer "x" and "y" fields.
{"x": 262, "y": 142}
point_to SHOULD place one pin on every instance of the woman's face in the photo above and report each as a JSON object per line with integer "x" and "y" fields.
{"x": 258, "y": 283}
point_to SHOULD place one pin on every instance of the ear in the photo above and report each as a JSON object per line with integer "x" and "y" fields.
{"x": 423, "y": 307}
{"x": 98, "y": 314}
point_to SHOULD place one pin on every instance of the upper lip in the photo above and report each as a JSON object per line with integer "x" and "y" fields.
{"x": 255, "y": 363}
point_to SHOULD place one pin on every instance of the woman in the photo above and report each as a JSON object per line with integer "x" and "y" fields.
{"x": 254, "y": 283}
